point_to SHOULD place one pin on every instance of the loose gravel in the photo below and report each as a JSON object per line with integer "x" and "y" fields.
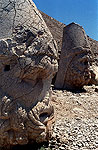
{"x": 75, "y": 134}
{"x": 76, "y": 126}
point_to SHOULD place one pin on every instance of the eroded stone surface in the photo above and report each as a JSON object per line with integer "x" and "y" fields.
{"x": 28, "y": 61}
{"x": 75, "y": 60}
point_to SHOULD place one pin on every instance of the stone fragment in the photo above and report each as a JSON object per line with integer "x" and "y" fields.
{"x": 28, "y": 62}
{"x": 75, "y": 60}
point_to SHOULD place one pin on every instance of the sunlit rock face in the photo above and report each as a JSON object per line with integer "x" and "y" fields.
{"x": 28, "y": 62}
{"x": 75, "y": 60}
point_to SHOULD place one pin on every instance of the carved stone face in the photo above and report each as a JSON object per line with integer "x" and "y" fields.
{"x": 27, "y": 65}
{"x": 78, "y": 72}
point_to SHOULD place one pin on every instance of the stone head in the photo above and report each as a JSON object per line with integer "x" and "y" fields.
{"x": 28, "y": 61}
{"x": 79, "y": 56}
{"x": 75, "y": 60}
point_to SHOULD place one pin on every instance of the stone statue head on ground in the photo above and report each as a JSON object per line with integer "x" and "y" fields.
{"x": 28, "y": 61}
{"x": 75, "y": 60}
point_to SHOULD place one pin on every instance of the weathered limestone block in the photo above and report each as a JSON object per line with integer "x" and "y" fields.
{"x": 75, "y": 60}
{"x": 28, "y": 61}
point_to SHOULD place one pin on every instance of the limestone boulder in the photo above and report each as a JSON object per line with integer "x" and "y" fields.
{"x": 75, "y": 60}
{"x": 28, "y": 62}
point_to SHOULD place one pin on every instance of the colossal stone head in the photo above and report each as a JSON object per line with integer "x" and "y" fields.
{"x": 75, "y": 60}
{"x": 28, "y": 61}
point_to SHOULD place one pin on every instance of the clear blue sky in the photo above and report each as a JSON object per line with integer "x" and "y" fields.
{"x": 83, "y": 12}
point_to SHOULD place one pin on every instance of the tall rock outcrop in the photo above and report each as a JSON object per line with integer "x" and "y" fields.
{"x": 28, "y": 62}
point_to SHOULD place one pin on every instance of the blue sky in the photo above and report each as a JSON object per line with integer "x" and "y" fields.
{"x": 83, "y": 12}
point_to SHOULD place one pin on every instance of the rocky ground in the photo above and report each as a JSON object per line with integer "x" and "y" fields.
{"x": 76, "y": 125}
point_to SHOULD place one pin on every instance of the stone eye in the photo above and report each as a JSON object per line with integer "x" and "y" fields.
{"x": 7, "y": 68}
